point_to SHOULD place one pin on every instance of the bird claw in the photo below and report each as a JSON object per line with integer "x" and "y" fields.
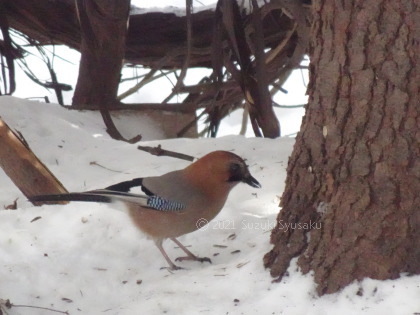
{"x": 195, "y": 258}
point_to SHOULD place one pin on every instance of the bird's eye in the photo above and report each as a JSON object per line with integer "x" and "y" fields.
{"x": 235, "y": 172}
{"x": 234, "y": 167}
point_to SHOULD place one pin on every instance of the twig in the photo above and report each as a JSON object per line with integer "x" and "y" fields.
{"x": 280, "y": 47}
{"x": 158, "y": 151}
{"x": 137, "y": 77}
{"x": 198, "y": 88}
{"x": 7, "y": 51}
{"x": 278, "y": 88}
{"x": 190, "y": 124}
{"x": 171, "y": 107}
{"x": 288, "y": 106}
{"x": 12, "y": 206}
{"x": 58, "y": 87}
{"x": 42, "y": 308}
{"x": 104, "y": 167}
{"x": 149, "y": 77}
{"x": 295, "y": 10}
{"x": 9, "y": 305}
{"x": 172, "y": 94}
{"x": 244, "y": 123}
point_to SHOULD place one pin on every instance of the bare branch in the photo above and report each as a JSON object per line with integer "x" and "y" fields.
{"x": 162, "y": 152}
{"x": 6, "y": 49}
{"x": 288, "y": 106}
{"x": 147, "y": 79}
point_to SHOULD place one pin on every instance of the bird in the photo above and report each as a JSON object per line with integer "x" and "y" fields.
{"x": 175, "y": 203}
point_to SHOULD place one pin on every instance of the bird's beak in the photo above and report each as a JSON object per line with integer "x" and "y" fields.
{"x": 251, "y": 181}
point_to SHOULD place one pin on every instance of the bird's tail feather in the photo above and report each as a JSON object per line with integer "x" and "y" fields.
{"x": 107, "y": 196}
{"x": 71, "y": 197}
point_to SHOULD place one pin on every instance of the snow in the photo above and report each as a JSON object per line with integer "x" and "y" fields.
{"x": 89, "y": 258}
{"x": 177, "y": 11}
{"x": 176, "y": 7}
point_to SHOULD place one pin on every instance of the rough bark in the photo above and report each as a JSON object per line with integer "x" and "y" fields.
{"x": 354, "y": 173}
{"x": 103, "y": 27}
{"x": 23, "y": 167}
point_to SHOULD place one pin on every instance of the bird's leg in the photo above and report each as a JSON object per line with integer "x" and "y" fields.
{"x": 172, "y": 266}
{"x": 190, "y": 256}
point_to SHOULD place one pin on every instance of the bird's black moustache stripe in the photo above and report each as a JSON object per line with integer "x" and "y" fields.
{"x": 235, "y": 178}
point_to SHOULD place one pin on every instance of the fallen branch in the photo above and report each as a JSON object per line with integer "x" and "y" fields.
{"x": 26, "y": 171}
{"x": 158, "y": 151}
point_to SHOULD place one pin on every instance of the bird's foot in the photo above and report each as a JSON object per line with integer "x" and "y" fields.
{"x": 194, "y": 258}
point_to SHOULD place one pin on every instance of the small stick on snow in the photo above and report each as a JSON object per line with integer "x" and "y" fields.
{"x": 158, "y": 151}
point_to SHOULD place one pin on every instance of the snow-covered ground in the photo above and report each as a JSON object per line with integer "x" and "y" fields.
{"x": 89, "y": 259}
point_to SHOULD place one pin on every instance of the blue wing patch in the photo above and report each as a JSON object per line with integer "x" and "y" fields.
{"x": 162, "y": 204}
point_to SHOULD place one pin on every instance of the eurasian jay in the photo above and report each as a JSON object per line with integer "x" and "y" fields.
{"x": 175, "y": 203}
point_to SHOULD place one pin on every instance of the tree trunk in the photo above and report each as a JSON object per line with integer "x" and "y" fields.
{"x": 354, "y": 176}
{"x": 103, "y": 27}
{"x": 23, "y": 167}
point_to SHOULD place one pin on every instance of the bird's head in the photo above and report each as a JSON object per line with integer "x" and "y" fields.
{"x": 222, "y": 169}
